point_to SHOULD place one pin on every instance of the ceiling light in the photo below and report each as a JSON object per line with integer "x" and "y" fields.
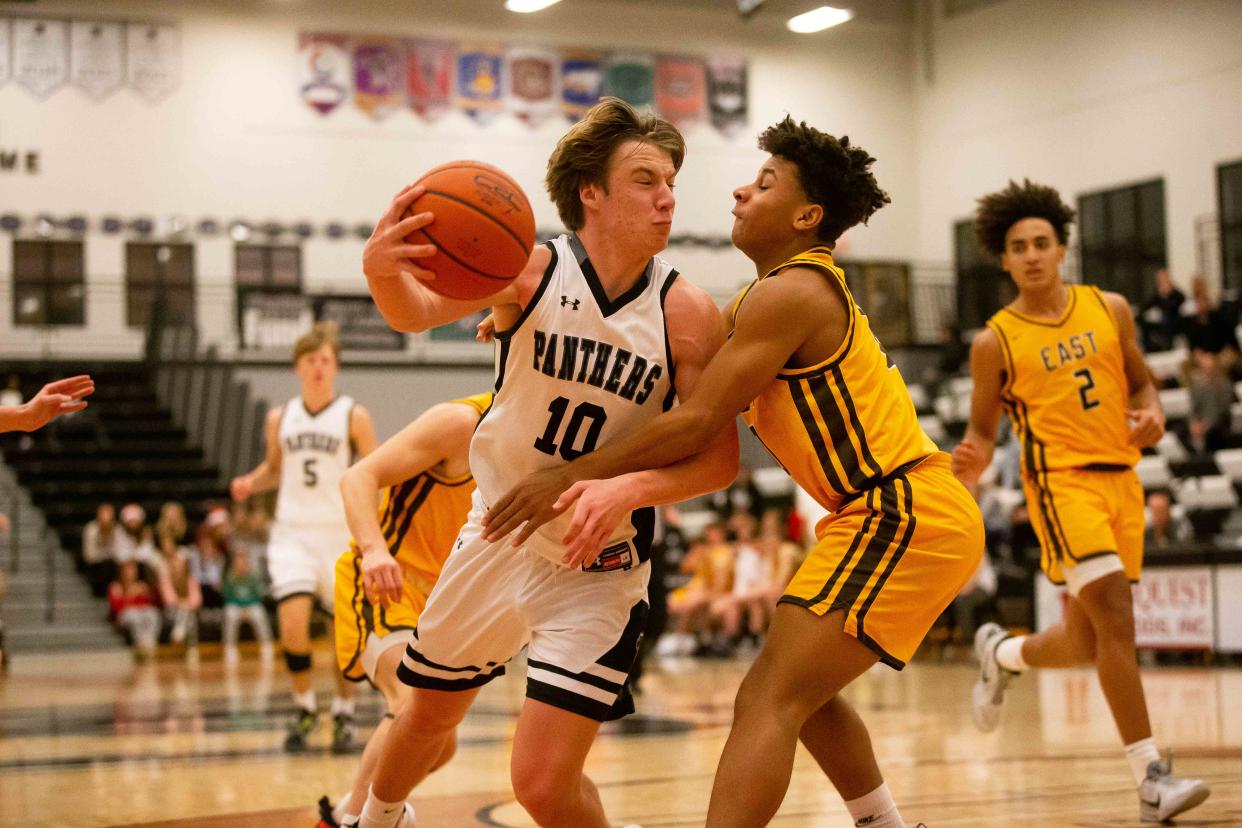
{"x": 819, "y": 19}
{"x": 528, "y": 5}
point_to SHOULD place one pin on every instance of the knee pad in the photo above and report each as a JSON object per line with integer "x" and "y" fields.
{"x": 297, "y": 662}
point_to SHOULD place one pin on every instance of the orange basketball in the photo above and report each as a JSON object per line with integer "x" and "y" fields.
{"x": 483, "y": 232}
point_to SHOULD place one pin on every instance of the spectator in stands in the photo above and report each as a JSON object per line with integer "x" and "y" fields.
{"x": 1160, "y": 318}
{"x": 251, "y": 524}
{"x": 212, "y": 556}
{"x": 11, "y": 396}
{"x": 742, "y": 495}
{"x": 747, "y": 598}
{"x": 709, "y": 564}
{"x": 99, "y": 542}
{"x": 132, "y": 602}
{"x": 135, "y": 541}
{"x": 243, "y": 601}
{"x": 182, "y": 598}
{"x": 1164, "y": 529}
{"x": 668, "y": 548}
{"x": 1211, "y": 395}
{"x": 55, "y": 398}
{"x": 169, "y": 532}
{"x": 1209, "y": 327}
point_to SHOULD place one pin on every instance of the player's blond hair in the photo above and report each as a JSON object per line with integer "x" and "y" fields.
{"x": 322, "y": 333}
{"x": 581, "y": 156}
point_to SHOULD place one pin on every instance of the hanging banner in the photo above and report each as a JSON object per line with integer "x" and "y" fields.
{"x": 429, "y": 77}
{"x": 96, "y": 57}
{"x": 631, "y": 77}
{"x": 40, "y": 54}
{"x": 479, "y": 81}
{"x": 582, "y": 82}
{"x": 6, "y": 65}
{"x": 153, "y": 59}
{"x": 379, "y": 76}
{"x": 727, "y": 97}
{"x": 323, "y": 70}
{"x": 534, "y": 84}
{"x": 681, "y": 89}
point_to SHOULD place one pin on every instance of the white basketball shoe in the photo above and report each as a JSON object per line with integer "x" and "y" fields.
{"x": 989, "y": 691}
{"x": 1163, "y": 796}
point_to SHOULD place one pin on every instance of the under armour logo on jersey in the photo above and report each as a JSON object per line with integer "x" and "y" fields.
{"x": 572, "y": 303}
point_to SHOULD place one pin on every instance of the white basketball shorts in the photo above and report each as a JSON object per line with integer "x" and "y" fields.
{"x": 301, "y": 560}
{"x": 583, "y": 628}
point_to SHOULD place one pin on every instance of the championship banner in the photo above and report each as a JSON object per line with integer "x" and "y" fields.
{"x": 379, "y": 76}
{"x": 40, "y": 54}
{"x": 727, "y": 96}
{"x": 534, "y": 80}
{"x": 479, "y": 86}
{"x": 429, "y": 77}
{"x": 96, "y": 57}
{"x": 681, "y": 89}
{"x": 582, "y": 82}
{"x": 361, "y": 325}
{"x": 6, "y": 65}
{"x": 631, "y": 77}
{"x": 153, "y": 59}
{"x": 323, "y": 70}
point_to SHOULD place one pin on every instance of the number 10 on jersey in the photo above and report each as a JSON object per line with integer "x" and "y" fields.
{"x": 585, "y": 413}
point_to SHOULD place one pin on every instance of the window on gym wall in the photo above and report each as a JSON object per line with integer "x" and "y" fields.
{"x": 157, "y": 271}
{"x": 1229, "y": 195}
{"x": 1122, "y": 239}
{"x": 982, "y": 287}
{"x": 49, "y": 284}
{"x": 271, "y": 308}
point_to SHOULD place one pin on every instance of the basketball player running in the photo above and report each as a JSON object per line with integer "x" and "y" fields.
{"x": 596, "y": 337}
{"x": 1064, "y": 363}
{"x": 310, "y": 442}
{"x": 818, "y": 389}
{"x": 425, "y": 474}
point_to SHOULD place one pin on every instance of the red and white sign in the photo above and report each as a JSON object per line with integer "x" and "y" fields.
{"x": 1174, "y": 608}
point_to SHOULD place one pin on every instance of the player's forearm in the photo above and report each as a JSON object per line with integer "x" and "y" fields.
{"x": 264, "y": 478}
{"x": 15, "y": 418}
{"x": 707, "y": 471}
{"x": 671, "y": 437}
{"x": 360, "y": 491}
{"x": 1147, "y": 397}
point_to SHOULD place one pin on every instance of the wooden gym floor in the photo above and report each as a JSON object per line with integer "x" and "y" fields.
{"x": 93, "y": 739}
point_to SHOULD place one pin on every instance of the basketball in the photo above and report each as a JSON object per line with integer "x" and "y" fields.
{"x": 483, "y": 232}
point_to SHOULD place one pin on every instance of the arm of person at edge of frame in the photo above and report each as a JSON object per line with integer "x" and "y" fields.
{"x": 1144, "y": 409}
{"x": 769, "y": 329}
{"x": 696, "y": 331}
{"x": 56, "y": 398}
{"x": 987, "y": 372}
{"x": 397, "y": 281}
{"x": 439, "y": 434}
{"x": 265, "y": 476}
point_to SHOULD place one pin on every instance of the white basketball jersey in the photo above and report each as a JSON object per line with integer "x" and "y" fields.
{"x": 576, "y": 371}
{"x": 315, "y": 452}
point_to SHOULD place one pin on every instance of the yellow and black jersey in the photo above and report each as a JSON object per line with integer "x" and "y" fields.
{"x": 1065, "y": 386}
{"x": 840, "y": 426}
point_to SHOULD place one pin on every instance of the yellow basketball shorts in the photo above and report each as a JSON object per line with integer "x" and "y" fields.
{"x": 1080, "y": 515}
{"x": 364, "y": 632}
{"x": 893, "y": 558}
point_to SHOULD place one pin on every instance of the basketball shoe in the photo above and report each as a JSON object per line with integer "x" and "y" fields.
{"x": 1163, "y": 795}
{"x": 299, "y": 729}
{"x": 989, "y": 691}
{"x": 342, "y": 733}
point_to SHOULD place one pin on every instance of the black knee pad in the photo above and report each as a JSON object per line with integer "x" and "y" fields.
{"x": 297, "y": 662}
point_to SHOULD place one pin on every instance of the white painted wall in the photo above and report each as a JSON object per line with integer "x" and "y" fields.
{"x": 1083, "y": 96}
{"x": 236, "y": 141}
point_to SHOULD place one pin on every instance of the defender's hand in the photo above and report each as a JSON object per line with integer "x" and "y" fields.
{"x": 602, "y": 505}
{"x": 533, "y": 502}
{"x": 381, "y": 577}
{"x": 387, "y": 254}
{"x": 969, "y": 463}
{"x": 485, "y": 331}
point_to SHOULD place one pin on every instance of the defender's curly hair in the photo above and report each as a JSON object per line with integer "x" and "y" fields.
{"x": 997, "y": 212}
{"x": 833, "y": 174}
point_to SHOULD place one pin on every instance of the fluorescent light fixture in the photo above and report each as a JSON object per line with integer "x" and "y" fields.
{"x": 526, "y": 6}
{"x": 816, "y": 20}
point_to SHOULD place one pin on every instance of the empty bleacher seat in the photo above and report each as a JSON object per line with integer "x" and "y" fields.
{"x": 1167, "y": 364}
{"x": 772, "y": 482}
{"x": 960, "y": 386}
{"x": 1229, "y": 461}
{"x": 934, "y": 429}
{"x": 1154, "y": 472}
{"x": 1171, "y": 448}
{"x": 918, "y": 395}
{"x": 1176, "y": 402}
{"x": 1212, "y": 492}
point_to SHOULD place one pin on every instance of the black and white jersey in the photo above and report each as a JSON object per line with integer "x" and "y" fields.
{"x": 315, "y": 452}
{"x": 576, "y": 371}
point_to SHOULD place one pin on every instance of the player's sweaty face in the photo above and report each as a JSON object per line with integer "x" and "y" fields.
{"x": 764, "y": 210}
{"x": 639, "y": 203}
{"x": 1032, "y": 254}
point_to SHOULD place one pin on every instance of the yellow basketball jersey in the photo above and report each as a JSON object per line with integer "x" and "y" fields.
{"x": 422, "y": 516}
{"x": 840, "y": 426}
{"x": 1065, "y": 387}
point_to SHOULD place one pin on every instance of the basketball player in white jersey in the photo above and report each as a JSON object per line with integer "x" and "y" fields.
{"x": 311, "y": 441}
{"x": 596, "y": 337}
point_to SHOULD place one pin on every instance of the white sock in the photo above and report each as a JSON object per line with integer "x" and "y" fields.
{"x": 379, "y": 814}
{"x": 342, "y": 707}
{"x": 876, "y": 810}
{"x": 306, "y": 700}
{"x": 340, "y": 810}
{"x": 1140, "y": 754}
{"x": 1009, "y": 654}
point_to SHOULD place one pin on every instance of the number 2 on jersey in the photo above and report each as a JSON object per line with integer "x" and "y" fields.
{"x": 1088, "y": 383}
{"x": 582, "y": 412}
